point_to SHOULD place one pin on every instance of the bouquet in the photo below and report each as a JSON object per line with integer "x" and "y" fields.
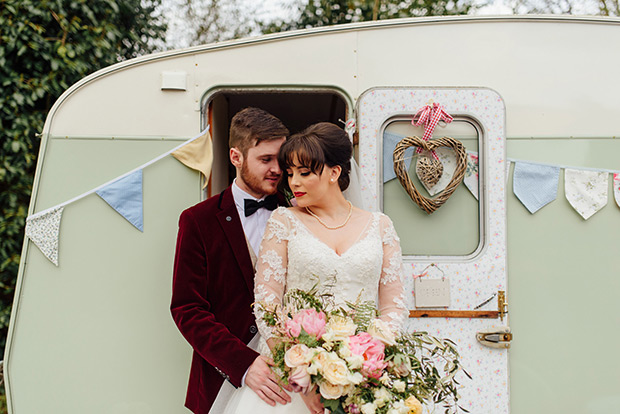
{"x": 355, "y": 361}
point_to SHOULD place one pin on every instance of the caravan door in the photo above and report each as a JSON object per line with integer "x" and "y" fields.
{"x": 462, "y": 243}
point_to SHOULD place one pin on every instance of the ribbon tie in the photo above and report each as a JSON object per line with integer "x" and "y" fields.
{"x": 251, "y": 206}
{"x": 429, "y": 116}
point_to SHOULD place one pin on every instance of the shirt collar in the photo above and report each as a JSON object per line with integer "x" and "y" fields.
{"x": 239, "y": 195}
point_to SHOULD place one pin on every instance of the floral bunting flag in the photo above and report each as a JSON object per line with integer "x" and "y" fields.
{"x": 586, "y": 190}
{"x": 471, "y": 174}
{"x": 197, "y": 155}
{"x": 43, "y": 230}
{"x": 535, "y": 185}
{"x": 125, "y": 196}
{"x": 617, "y": 188}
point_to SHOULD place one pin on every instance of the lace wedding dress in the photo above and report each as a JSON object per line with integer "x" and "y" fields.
{"x": 292, "y": 257}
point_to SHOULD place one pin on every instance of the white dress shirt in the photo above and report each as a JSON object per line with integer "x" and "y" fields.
{"x": 254, "y": 225}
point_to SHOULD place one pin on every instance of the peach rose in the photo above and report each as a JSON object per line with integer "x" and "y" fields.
{"x": 335, "y": 371}
{"x": 414, "y": 405}
{"x": 330, "y": 391}
{"x": 296, "y": 355}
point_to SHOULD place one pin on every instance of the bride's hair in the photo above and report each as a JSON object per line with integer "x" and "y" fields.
{"x": 316, "y": 146}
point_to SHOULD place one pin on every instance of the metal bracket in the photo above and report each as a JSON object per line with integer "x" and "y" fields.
{"x": 495, "y": 338}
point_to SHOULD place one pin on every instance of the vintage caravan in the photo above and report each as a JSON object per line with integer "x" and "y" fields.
{"x": 534, "y": 101}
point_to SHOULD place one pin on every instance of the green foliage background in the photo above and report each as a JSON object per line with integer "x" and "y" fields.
{"x": 45, "y": 47}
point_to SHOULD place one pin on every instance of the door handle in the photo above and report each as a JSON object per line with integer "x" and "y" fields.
{"x": 496, "y": 338}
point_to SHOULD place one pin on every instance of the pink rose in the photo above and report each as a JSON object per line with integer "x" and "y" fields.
{"x": 310, "y": 320}
{"x": 372, "y": 350}
{"x": 293, "y": 328}
{"x": 299, "y": 379}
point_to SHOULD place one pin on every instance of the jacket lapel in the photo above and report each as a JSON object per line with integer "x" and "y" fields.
{"x": 228, "y": 217}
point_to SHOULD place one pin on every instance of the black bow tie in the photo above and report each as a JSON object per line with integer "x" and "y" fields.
{"x": 251, "y": 206}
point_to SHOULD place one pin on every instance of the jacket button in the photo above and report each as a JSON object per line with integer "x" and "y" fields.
{"x": 228, "y": 218}
{"x": 253, "y": 329}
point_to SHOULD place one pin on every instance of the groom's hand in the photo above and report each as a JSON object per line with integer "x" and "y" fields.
{"x": 261, "y": 379}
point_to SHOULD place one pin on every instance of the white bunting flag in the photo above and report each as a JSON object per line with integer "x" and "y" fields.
{"x": 617, "y": 188}
{"x": 586, "y": 190}
{"x": 43, "y": 230}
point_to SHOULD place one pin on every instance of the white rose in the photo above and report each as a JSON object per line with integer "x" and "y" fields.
{"x": 400, "y": 385}
{"x": 355, "y": 361}
{"x": 380, "y": 330}
{"x": 297, "y": 355}
{"x": 368, "y": 408}
{"x": 385, "y": 379}
{"x": 401, "y": 407}
{"x": 335, "y": 371}
{"x": 356, "y": 378}
{"x": 382, "y": 396}
{"x": 330, "y": 391}
{"x": 339, "y": 328}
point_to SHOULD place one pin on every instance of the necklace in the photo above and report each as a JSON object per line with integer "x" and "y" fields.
{"x": 332, "y": 227}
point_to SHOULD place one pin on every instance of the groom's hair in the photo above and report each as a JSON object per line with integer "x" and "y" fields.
{"x": 316, "y": 146}
{"x": 250, "y": 126}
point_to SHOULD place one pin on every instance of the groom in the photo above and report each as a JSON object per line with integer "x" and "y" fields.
{"x": 213, "y": 283}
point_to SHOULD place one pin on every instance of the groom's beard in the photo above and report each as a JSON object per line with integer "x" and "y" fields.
{"x": 265, "y": 185}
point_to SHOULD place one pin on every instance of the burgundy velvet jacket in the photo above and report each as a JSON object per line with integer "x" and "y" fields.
{"x": 212, "y": 293}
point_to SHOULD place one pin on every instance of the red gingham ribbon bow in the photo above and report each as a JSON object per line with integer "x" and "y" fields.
{"x": 429, "y": 116}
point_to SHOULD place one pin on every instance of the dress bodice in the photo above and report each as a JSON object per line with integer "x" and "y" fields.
{"x": 292, "y": 257}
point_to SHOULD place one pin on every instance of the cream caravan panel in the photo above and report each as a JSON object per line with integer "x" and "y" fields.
{"x": 472, "y": 278}
{"x": 545, "y": 82}
{"x": 127, "y": 99}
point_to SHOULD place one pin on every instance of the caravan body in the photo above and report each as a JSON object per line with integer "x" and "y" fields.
{"x": 94, "y": 333}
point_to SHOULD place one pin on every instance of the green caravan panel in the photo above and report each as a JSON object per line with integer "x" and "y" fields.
{"x": 563, "y": 290}
{"x": 95, "y": 335}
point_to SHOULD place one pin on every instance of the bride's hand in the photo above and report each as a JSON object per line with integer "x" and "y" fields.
{"x": 312, "y": 399}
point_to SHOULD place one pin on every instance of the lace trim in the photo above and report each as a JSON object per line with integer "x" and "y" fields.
{"x": 390, "y": 237}
{"x": 261, "y": 294}
{"x": 274, "y": 267}
{"x": 393, "y": 272}
{"x": 276, "y": 229}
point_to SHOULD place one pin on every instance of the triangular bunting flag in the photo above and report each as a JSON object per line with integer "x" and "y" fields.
{"x": 535, "y": 185}
{"x": 471, "y": 175}
{"x": 389, "y": 144}
{"x": 197, "y": 155}
{"x": 125, "y": 196}
{"x": 617, "y": 188}
{"x": 43, "y": 230}
{"x": 586, "y": 191}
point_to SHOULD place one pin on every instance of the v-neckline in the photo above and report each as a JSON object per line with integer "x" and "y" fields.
{"x": 360, "y": 237}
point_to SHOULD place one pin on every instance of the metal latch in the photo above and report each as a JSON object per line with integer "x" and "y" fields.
{"x": 495, "y": 338}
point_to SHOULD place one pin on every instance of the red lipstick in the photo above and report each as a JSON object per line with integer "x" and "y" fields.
{"x": 298, "y": 194}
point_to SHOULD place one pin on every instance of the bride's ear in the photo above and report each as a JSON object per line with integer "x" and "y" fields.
{"x": 334, "y": 173}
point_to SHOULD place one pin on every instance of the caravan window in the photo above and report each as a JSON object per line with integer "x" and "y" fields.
{"x": 455, "y": 229}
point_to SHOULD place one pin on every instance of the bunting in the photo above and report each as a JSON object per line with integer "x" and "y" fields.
{"x": 535, "y": 185}
{"x": 197, "y": 155}
{"x": 44, "y": 232}
{"x": 585, "y": 190}
{"x": 617, "y": 188}
{"x": 471, "y": 175}
{"x": 125, "y": 196}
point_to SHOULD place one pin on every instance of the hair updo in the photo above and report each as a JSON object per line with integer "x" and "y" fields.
{"x": 316, "y": 146}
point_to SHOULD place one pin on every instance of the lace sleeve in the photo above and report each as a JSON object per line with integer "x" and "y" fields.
{"x": 392, "y": 308}
{"x": 270, "y": 278}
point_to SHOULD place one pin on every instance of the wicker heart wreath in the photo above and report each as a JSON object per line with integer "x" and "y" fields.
{"x": 429, "y": 204}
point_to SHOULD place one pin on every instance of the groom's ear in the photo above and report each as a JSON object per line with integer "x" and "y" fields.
{"x": 236, "y": 157}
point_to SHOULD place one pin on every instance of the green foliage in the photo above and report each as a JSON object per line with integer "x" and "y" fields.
{"x": 45, "y": 47}
{"x": 314, "y": 13}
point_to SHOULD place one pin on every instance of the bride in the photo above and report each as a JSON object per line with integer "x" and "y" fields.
{"x": 325, "y": 239}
